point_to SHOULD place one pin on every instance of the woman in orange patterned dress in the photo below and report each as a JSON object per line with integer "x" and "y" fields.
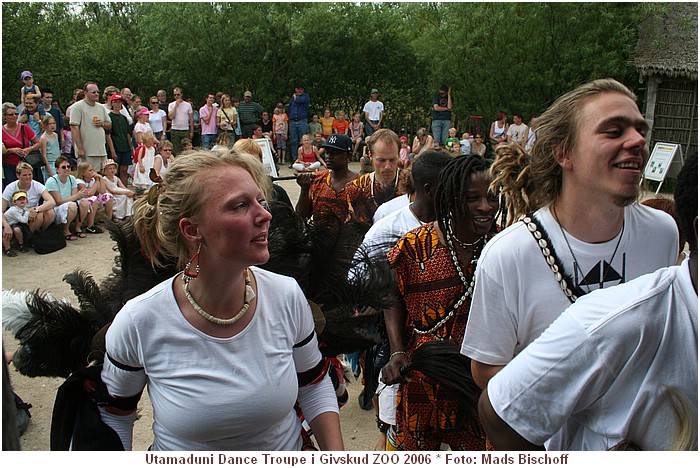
{"x": 434, "y": 268}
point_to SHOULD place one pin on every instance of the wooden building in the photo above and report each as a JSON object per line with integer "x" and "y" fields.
{"x": 666, "y": 57}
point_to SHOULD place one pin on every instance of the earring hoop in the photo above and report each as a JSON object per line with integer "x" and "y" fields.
{"x": 188, "y": 274}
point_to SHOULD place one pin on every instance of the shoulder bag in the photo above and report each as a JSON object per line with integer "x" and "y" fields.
{"x": 34, "y": 158}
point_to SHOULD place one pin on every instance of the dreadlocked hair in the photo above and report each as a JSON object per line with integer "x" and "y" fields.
{"x": 453, "y": 185}
{"x": 511, "y": 178}
{"x": 183, "y": 194}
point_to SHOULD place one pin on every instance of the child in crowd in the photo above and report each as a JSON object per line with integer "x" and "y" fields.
{"x": 144, "y": 159}
{"x": 451, "y": 138}
{"x": 366, "y": 161}
{"x": 327, "y": 123}
{"x": 123, "y": 202}
{"x": 356, "y": 130}
{"x": 223, "y": 142}
{"x": 455, "y": 149}
{"x": 340, "y": 125}
{"x": 119, "y": 139}
{"x": 279, "y": 126}
{"x": 404, "y": 161}
{"x": 186, "y": 145}
{"x": 17, "y": 216}
{"x": 465, "y": 144}
{"x": 67, "y": 149}
{"x": 98, "y": 196}
{"x": 29, "y": 88}
{"x": 317, "y": 142}
{"x": 308, "y": 159}
{"x": 142, "y": 126}
{"x": 315, "y": 125}
{"x": 50, "y": 145}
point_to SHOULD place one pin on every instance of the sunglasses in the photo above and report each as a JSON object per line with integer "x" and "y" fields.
{"x": 167, "y": 149}
{"x": 64, "y": 167}
{"x": 154, "y": 102}
{"x": 11, "y": 115}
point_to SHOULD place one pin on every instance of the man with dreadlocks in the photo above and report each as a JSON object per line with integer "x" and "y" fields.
{"x": 587, "y": 232}
{"x": 434, "y": 267}
{"x": 369, "y": 191}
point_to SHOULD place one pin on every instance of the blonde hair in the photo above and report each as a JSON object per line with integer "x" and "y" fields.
{"x": 183, "y": 194}
{"x": 46, "y": 120}
{"x": 248, "y": 145}
{"x": 557, "y": 133}
{"x": 23, "y": 166}
{"x": 147, "y": 138}
{"x": 511, "y": 178}
{"x": 166, "y": 144}
{"x": 82, "y": 168}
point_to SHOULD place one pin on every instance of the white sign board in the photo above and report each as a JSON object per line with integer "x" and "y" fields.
{"x": 666, "y": 159}
{"x": 268, "y": 159}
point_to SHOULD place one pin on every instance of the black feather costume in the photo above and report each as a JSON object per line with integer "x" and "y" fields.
{"x": 56, "y": 339}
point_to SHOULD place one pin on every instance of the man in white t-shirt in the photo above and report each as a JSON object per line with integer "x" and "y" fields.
{"x": 182, "y": 117}
{"x": 373, "y": 110}
{"x": 88, "y": 122}
{"x": 517, "y": 131}
{"x": 618, "y": 368}
{"x": 587, "y": 232}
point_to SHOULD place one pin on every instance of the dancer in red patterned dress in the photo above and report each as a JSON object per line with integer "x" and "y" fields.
{"x": 434, "y": 267}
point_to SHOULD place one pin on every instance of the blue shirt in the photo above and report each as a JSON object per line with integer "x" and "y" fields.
{"x": 299, "y": 107}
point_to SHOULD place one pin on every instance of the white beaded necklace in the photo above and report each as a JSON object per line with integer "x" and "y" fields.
{"x": 469, "y": 287}
{"x": 249, "y": 296}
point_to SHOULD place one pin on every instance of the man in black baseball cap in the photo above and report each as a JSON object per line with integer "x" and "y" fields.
{"x": 323, "y": 193}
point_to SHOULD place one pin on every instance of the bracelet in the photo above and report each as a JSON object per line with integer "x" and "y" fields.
{"x": 397, "y": 352}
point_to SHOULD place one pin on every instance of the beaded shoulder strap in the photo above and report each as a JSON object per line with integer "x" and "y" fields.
{"x": 550, "y": 256}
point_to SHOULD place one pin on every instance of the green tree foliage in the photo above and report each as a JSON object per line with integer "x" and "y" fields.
{"x": 513, "y": 56}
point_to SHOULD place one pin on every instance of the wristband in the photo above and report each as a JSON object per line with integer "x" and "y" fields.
{"x": 398, "y": 352}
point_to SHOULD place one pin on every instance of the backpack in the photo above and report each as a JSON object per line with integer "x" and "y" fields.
{"x": 49, "y": 240}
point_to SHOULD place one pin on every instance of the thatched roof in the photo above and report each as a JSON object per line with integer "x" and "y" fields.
{"x": 668, "y": 43}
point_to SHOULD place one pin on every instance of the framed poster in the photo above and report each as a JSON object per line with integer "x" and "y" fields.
{"x": 268, "y": 159}
{"x": 666, "y": 160}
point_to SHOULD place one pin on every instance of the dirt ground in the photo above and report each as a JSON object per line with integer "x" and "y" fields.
{"x": 94, "y": 254}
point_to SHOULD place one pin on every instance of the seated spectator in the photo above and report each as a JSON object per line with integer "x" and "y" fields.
{"x": 452, "y": 138}
{"x": 422, "y": 142}
{"x": 327, "y": 123}
{"x": 17, "y": 218}
{"x": 71, "y": 204}
{"x": 266, "y": 124}
{"x": 465, "y": 144}
{"x": 356, "y": 131}
{"x": 123, "y": 198}
{"x": 366, "y": 160}
{"x": 404, "y": 160}
{"x": 165, "y": 158}
{"x": 318, "y": 141}
{"x": 478, "y": 147}
{"x": 98, "y": 196}
{"x": 223, "y": 143}
{"x": 308, "y": 159}
{"x": 315, "y": 125}
{"x": 186, "y": 144}
{"x": 340, "y": 125}
{"x": 39, "y": 201}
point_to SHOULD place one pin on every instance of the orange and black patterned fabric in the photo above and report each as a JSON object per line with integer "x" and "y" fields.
{"x": 427, "y": 413}
{"x": 325, "y": 200}
{"x": 364, "y": 195}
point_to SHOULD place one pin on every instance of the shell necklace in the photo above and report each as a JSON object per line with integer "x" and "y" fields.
{"x": 249, "y": 296}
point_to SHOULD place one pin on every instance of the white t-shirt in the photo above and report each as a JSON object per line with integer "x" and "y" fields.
{"x": 516, "y": 296}
{"x": 600, "y": 369}
{"x": 390, "y": 206}
{"x": 220, "y": 394}
{"x": 155, "y": 119}
{"x": 517, "y": 132}
{"x": 33, "y": 194}
{"x": 182, "y": 115}
{"x": 373, "y": 109}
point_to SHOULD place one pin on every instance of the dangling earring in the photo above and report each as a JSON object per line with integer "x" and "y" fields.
{"x": 187, "y": 274}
